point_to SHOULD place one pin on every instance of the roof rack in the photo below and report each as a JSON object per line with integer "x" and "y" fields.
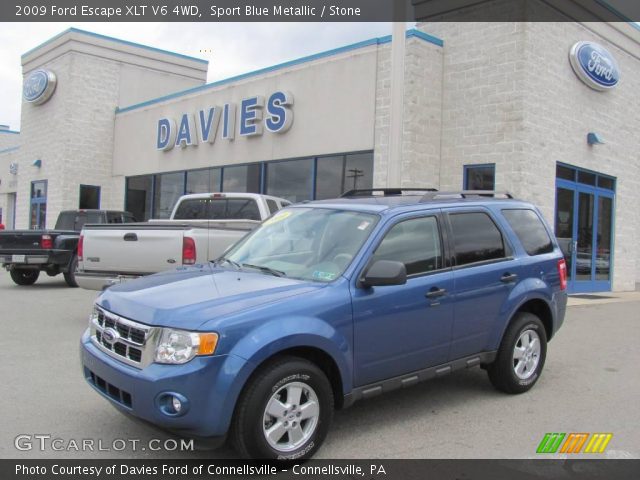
{"x": 370, "y": 192}
{"x": 466, "y": 194}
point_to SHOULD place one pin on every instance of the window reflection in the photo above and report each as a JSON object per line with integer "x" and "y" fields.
{"x": 154, "y": 196}
{"x": 243, "y": 178}
{"x": 292, "y": 180}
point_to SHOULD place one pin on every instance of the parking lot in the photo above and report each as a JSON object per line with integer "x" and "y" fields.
{"x": 590, "y": 384}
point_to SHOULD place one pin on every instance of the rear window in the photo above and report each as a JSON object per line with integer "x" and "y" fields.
{"x": 530, "y": 230}
{"x": 475, "y": 238}
{"x": 76, "y": 220}
{"x": 120, "y": 217}
{"x": 218, "y": 209}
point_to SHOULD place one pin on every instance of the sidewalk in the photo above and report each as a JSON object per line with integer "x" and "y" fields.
{"x": 581, "y": 299}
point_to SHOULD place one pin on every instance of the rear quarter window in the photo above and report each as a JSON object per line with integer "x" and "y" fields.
{"x": 530, "y": 230}
{"x": 273, "y": 206}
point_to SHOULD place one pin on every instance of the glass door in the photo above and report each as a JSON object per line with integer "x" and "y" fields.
{"x": 584, "y": 228}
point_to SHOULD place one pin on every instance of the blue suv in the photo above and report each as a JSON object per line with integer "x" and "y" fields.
{"x": 327, "y": 303}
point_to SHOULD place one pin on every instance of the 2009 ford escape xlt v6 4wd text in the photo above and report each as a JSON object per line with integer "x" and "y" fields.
{"x": 327, "y": 303}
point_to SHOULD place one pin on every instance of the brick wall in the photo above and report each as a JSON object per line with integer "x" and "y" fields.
{"x": 422, "y": 114}
{"x": 511, "y": 98}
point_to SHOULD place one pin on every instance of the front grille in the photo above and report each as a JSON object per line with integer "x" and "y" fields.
{"x": 128, "y": 341}
{"x": 112, "y": 391}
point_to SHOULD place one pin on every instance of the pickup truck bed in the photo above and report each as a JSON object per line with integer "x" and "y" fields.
{"x": 201, "y": 228}
{"x": 25, "y": 253}
{"x": 136, "y": 248}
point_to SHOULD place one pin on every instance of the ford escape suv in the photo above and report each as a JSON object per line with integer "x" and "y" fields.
{"x": 327, "y": 303}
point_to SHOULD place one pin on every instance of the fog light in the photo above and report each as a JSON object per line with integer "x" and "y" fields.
{"x": 172, "y": 404}
{"x": 177, "y": 404}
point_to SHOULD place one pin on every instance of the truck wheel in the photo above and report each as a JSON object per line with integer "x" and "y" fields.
{"x": 23, "y": 276}
{"x": 70, "y": 276}
{"x": 521, "y": 355}
{"x": 284, "y": 411}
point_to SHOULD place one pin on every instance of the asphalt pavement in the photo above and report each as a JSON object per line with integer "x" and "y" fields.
{"x": 590, "y": 384}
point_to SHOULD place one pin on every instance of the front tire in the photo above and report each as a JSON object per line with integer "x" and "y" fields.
{"x": 23, "y": 276}
{"x": 70, "y": 276}
{"x": 284, "y": 411}
{"x": 521, "y": 356}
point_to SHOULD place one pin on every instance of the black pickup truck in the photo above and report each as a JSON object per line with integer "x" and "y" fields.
{"x": 25, "y": 253}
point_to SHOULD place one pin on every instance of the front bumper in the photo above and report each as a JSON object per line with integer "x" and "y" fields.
{"x": 209, "y": 383}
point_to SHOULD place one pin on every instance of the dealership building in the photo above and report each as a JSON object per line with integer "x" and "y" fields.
{"x": 546, "y": 111}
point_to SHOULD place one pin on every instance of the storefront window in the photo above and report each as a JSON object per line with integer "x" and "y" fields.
{"x": 292, "y": 180}
{"x": 89, "y": 197}
{"x": 244, "y": 178}
{"x": 203, "y": 181}
{"x": 154, "y": 196}
{"x": 139, "y": 196}
{"x": 339, "y": 174}
{"x": 169, "y": 187}
{"x": 480, "y": 177}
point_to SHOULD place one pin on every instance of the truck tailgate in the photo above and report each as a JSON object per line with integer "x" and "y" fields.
{"x": 139, "y": 249}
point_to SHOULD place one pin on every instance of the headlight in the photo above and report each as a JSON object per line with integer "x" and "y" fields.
{"x": 93, "y": 318}
{"x": 180, "y": 346}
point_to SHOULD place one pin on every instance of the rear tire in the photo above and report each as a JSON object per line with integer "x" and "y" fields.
{"x": 521, "y": 355}
{"x": 22, "y": 276}
{"x": 284, "y": 411}
{"x": 70, "y": 276}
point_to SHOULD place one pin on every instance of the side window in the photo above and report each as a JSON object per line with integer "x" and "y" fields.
{"x": 475, "y": 238}
{"x": 128, "y": 218}
{"x": 273, "y": 206}
{"x": 530, "y": 230}
{"x": 416, "y": 243}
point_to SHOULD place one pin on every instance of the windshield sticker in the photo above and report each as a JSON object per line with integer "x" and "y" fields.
{"x": 364, "y": 225}
{"x": 318, "y": 275}
{"x": 278, "y": 217}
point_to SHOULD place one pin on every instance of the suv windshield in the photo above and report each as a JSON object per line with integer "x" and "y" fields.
{"x": 307, "y": 243}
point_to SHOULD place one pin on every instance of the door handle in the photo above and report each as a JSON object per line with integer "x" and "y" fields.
{"x": 130, "y": 237}
{"x": 435, "y": 292}
{"x": 508, "y": 277}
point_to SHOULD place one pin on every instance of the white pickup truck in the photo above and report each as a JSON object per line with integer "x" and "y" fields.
{"x": 200, "y": 229}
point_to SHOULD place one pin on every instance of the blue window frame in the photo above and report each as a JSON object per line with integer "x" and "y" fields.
{"x": 38, "y": 205}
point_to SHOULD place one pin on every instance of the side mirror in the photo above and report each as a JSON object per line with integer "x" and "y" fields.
{"x": 385, "y": 272}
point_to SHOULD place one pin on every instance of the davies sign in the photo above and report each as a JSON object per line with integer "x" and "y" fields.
{"x": 254, "y": 116}
{"x": 594, "y": 65}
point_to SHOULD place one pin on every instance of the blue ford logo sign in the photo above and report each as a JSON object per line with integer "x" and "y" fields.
{"x": 594, "y": 65}
{"x": 39, "y": 86}
{"x": 110, "y": 335}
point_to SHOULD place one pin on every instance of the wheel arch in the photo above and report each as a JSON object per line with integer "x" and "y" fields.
{"x": 536, "y": 305}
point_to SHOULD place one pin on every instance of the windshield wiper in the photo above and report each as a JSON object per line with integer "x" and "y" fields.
{"x": 222, "y": 260}
{"x": 272, "y": 271}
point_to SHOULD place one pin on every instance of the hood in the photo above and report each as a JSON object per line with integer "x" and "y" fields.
{"x": 190, "y": 296}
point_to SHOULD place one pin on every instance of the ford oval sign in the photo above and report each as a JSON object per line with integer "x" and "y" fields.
{"x": 594, "y": 65}
{"x": 39, "y": 86}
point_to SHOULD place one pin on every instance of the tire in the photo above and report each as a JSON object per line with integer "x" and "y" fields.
{"x": 521, "y": 355}
{"x": 22, "y": 276}
{"x": 70, "y": 276}
{"x": 269, "y": 389}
